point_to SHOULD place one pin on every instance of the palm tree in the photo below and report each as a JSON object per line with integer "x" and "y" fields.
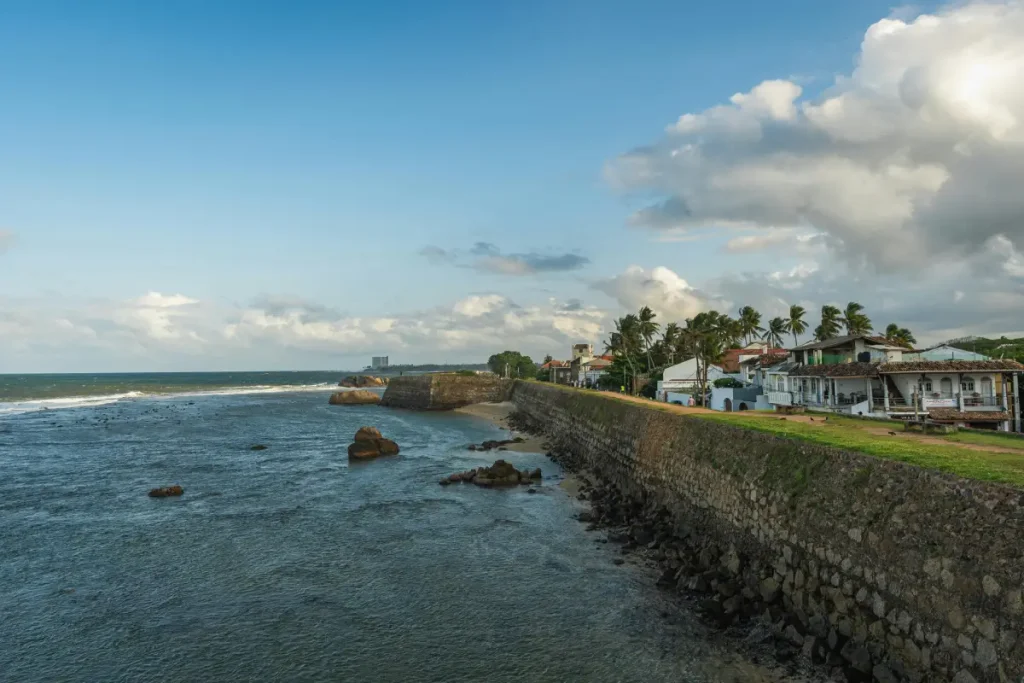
{"x": 776, "y": 328}
{"x": 647, "y": 328}
{"x": 795, "y": 324}
{"x": 855, "y": 320}
{"x": 900, "y": 336}
{"x": 750, "y": 323}
{"x": 829, "y": 327}
{"x": 669, "y": 340}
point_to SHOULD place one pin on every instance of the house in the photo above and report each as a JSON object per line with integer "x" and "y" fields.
{"x": 559, "y": 371}
{"x": 682, "y": 379}
{"x": 865, "y": 375}
{"x": 584, "y": 367}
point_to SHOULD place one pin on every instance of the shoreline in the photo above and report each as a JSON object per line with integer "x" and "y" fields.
{"x": 497, "y": 414}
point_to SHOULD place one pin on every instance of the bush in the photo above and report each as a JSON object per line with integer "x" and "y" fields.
{"x": 728, "y": 383}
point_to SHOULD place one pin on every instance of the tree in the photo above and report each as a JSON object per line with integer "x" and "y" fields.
{"x": 647, "y": 328}
{"x": 900, "y": 336}
{"x": 795, "y": 324}
{"x": 829, "y": 327}
{"x": 669, "y": 342}
{"x": 750, "y": 323}
{"x": 625, "y": 345}
{"x": 708, "y": 334}
{"x": 512, "y": 364}
{"x": 776, "y": 328}
{"x": 855, "y": 320}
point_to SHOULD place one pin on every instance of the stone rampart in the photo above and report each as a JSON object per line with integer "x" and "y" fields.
{"x": 443, "y": 391}
{"x": 893, "y": 571}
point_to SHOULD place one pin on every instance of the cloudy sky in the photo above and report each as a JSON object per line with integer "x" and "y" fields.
{"x": 247, "y": 186}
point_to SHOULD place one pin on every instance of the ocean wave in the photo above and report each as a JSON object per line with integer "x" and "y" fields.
{"x": 58, "y": 403}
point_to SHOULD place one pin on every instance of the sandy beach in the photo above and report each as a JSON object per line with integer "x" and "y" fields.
{"x": 498, "y": 414}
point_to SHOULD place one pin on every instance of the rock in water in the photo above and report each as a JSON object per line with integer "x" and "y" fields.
{"x": 258, "y": 447}
{"x": 369, "y": 444}
{"x": 166, "y": 491}
{"x": 501, "y": 473}
{"x": 361, "y": 381}
{"x": 357, "y": 397}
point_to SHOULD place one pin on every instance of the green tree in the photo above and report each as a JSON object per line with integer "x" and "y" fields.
{"x": 708, "y": 334}
{"x": 795, "y": 324}
{"x": 750, "y": 324}
{"x": 647, "y": 328}
{"x": 776, "y": 328}
{"x": 855, "y": 320}
{"x": 512, "y": 364}
{"x": 830, "y": 323}
{"x": 900, "y": 336}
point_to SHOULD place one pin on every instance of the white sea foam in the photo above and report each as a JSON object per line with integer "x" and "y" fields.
{"x": 15, "y": 407}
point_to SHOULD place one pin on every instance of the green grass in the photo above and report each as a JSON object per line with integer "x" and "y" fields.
{"x": 1007, "y": 468}
{"x": 851, "y": 434}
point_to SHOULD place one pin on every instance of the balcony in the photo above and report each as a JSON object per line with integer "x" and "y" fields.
{"x": 780, "y": 398}
{"x": 983, "y": 402}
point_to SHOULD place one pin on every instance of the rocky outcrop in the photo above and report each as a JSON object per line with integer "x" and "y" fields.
{"x": 356, "y": 397}
{"x": 445, "y": 391}
{"x": 363, "y": 381}
{"x": 499, "y": 474}
{"x": 369, "y": 443}
{"x": 166, "y": 491}
{"x": 491, "y": 445}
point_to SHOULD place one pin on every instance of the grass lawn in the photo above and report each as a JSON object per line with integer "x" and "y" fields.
{"x": 933, "y": 451}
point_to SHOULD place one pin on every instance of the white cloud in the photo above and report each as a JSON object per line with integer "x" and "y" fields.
{"x": 158, "y": 300}
{"x": 478, "y": 305}
{"x": 660, "y": 288}
{"x": 918, "y": 152}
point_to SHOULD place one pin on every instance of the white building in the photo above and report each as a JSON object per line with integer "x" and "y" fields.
{"x": 681, "y": 378}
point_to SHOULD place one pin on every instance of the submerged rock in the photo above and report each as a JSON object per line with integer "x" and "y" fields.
{"x": 258, "y": 447}
{"x": 369, "y": 443}
{"x": 166, "y": 491}
{"x": 357, "y": 397}
{"x": 499, "y": 474}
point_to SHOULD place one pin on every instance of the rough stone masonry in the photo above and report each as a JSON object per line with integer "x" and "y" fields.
{"x": 903, "y": 573}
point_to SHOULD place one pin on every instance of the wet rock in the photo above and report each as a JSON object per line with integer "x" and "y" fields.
{"x": 531, "y": 490}
{"x": 258, "y": 447}
{"x": 586, "y": 516}
{"x": 356, "y": 397}
{"x": 362, "y": 381}
{"x": 618, "y": 560}
{"x": 368, "y": 444}
{"x": 166, "y": 491}
{"x": 858, "y": 657}
{"x": 501, "y": 473}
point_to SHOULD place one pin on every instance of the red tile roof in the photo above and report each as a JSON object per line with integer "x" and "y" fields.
{"x": 952, "y": 366}
{"x": 954, "y": 415}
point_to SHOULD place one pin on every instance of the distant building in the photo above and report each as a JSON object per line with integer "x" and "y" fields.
{"x": 583, "y": 351}
{"x": 943, "y": 352}
{"x": 379, "y": 363}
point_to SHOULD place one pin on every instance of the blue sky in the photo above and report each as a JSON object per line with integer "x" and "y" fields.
{"x": 233, "y": 152}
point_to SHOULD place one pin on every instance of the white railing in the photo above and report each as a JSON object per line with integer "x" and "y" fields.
{"x": 780, "y": 398}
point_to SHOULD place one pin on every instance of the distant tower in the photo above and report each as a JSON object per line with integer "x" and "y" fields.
{"x": 379, "y": 363}
{"x": 584, "y": 351}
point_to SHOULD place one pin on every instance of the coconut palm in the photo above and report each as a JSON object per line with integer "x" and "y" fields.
{"x": 830, "y": 323}
{"x": 647, "y": 328}
{"x": 855, "y": 320}
{"x": 776, "y": 328}
{"x": 900, "y": 336}
{"x": 795, "y": 324}
{"x": 750, "y": 323}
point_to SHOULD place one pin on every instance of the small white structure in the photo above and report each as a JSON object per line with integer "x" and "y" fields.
{"x": 682, "y": 378}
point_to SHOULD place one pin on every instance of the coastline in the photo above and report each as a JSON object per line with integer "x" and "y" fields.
{"x": 498, "y": 413}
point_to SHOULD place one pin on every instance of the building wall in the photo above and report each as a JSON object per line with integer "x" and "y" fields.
{"x": 894, "y": 568}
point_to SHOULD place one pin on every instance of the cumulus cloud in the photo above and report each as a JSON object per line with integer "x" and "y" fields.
{"x": 918, "y": 152}
{"x": 488, "y": 258}
{"x": 662, "y": 289}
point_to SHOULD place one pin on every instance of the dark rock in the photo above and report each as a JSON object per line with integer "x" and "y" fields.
{"x": 586, "y": 516}
{"x": 882, "y": 674}
{"x": 445, "y": 482}
{"x": 362, "y": 381}
{"x": 531, "y": 490}
{"x": 369, "y": 444}
{"x": 258, "y": 447}
{"x": 166, "y": 491}
{"x": 618, "y": 537}
{"x": 732, "y": 605}
{"x": 667, "y": 578}
{"x": 472, "y": 447}
{"x": 618, "y": 560}
{"x": 858, "y": 657}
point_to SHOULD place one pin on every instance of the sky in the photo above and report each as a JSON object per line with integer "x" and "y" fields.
{"x": 267, "y": 185}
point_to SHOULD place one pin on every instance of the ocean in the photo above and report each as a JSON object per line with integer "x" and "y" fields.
{"x": 290, "y": 563}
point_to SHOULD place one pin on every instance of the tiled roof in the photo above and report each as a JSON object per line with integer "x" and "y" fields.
{"x": 555, "y": 364}
{"x": 953, "y": 366}
{"x": 771, "y": 359}
{"x": 954, "y": 415}
{"x": 598, "y": 362}
{"x": 837, "y": 370}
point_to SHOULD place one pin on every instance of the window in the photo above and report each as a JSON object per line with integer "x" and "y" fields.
{"x": 924, "y": 386}
{"x": 967, "y": 385}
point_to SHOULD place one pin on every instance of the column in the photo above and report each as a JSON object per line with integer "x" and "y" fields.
{"x": 960, "y": 391}
{"x": 1016, "y": 404}
{"x": 1003, "y": 381}
{"x": 885, "y": 395}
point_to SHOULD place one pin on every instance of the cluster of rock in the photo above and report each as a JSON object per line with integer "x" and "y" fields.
{"x": 363, "y": 381}
{"x": 356, "y": 397}
{"x": 499, "y": 474}
{"x": 491, "y": 445}
{"x": 369, "y": 444}
{"x": 166, "y": 491}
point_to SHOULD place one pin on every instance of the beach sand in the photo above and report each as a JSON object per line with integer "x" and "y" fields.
{"x": 498, "y": 414}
